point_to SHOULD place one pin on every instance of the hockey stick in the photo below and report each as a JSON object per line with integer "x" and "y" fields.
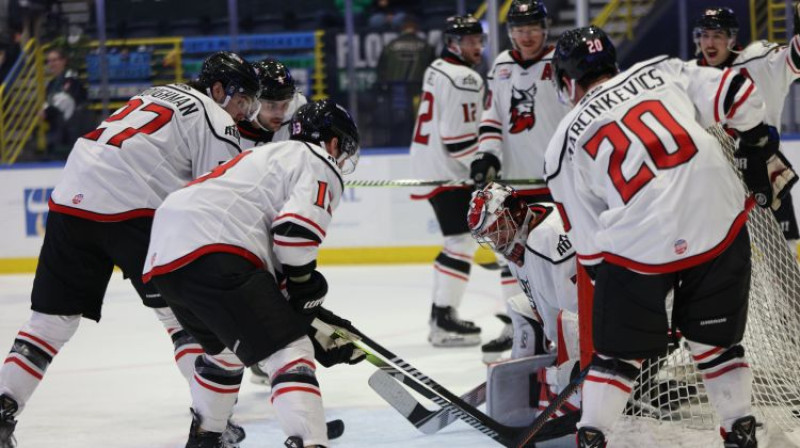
{"x": 543, "y": 418}
{"x": 434, "y": 183}
{"x": 385, "y": 359}
{"x": 427, "y": 421}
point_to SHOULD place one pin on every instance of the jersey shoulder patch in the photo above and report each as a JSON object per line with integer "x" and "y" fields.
{"x": 461, "y": 77}
{"x": 755, "y": 50}
{"x": 549, "y": 240}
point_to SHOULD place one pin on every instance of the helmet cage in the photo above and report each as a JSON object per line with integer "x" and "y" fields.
{"x": 496, "y": 214}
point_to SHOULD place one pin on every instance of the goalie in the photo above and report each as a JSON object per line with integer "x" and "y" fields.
{"x": 533, "y": 240}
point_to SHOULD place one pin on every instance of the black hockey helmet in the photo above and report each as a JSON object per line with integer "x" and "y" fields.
{"x": 722, "y": 18}
{"x": 235, "y": 74}
{"x": 458, "y": 26}
{"x": 526, "y": 12}
{"x": 276, "y": 80}
{"x": 322, "y": 120}
{"x": 582, "y": 54}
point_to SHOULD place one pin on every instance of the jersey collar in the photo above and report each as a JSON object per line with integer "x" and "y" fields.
{"x": 453, "y": 58}
{"x": 251, "y": 132}
{"x": 517, "y": 57}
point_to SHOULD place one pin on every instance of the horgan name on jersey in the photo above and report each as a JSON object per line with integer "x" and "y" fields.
{"x": 186, "y": 104}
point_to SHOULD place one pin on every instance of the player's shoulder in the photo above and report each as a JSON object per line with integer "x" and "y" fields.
{"x": 548, "y": 240}
{"x": 458, "y": 75}
{"x": 663, "y": 62}
{"x": 755, "y": 51}
{"x": 504, "y": 57}
{"x": 311, "y": 156}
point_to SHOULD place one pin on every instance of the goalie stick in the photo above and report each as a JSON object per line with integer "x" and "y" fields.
{"x": 388, "y": 361}
{"x": 434, "y": 183}
{"x": 425, "y": 420}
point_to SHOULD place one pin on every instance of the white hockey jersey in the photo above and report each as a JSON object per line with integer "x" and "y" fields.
{"x": 772, "y": 68}
{"x": 548, "y": 275}
{"x": 253, "y": 136}
{"x": 271, "y": 206}
{"x": 521, "y": 114}
{"x": 642, "y": 184}
{"x": 162, "y": 139}
{"x": 446, "y": 133}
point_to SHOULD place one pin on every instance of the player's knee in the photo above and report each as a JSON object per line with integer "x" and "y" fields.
{"x": 222, "y": 368}
{"x": 54, "y": 330}
{"x": 293, "y": 363}
{"x": 711, "y": 359}
{"x": 625, "y": 369}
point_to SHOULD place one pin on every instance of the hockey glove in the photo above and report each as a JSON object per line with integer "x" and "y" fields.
{"x": 484, "y": 169}
{"x": 307, "y": 293}
{"x": 765, "y": 170}
{"x": 330, "y": 349}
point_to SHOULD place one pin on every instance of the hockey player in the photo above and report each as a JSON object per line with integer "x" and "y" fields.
{"x": 101, "y": 212}
{"x": 522, "y": 111}
{"x": 772, "y": 67}
{"x": 279, "y": 100}
{"x": 218, "y": 252}
{"x": 535, "y": 244}
{"x": 445, "y": 138}
{"x": 653, "y": 205}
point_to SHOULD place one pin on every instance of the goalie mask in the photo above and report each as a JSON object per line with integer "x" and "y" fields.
{"x": 499, "y": 219}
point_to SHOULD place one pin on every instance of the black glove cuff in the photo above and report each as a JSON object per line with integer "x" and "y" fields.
{"x": 757, "y": 136}
{"x": 488, "y": 159}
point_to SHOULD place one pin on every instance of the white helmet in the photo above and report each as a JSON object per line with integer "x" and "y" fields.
{"x": 498, "y": 218}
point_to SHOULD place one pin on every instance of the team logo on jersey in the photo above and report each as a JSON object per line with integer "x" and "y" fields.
{"x": 564, "y": 245}
{"x": 470, "y": 80}
{"x": 233, "y": 130}
{"x": 680, "y": 246}
{"x": 525, "y": 284}
{"x": 77, "y": 199}
{"x": 522, "y": 109}
{"x": 36, "y": 210}
{"x": 503, "y": 73}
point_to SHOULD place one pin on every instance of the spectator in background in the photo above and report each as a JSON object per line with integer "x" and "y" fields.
{"x": 65, "y": 98}
{"x": 386, "y": 14}
{"x": 400, "y": 70}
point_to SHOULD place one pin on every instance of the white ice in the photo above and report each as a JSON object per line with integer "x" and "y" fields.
{"x": 115, "y": 383}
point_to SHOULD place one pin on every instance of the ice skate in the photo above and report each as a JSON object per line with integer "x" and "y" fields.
{"x": 589, "y": 437}
{"x": 8, "y": 407}
{"x": 494, "y": 350}
{"x": 204, "y": 439}
{"x": 742, "y": 435}
{"x": 447, "y": 330}
{"x": 233, "y": 434}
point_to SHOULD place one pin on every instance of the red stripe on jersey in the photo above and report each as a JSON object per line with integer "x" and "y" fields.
{"x": 188, "y": 351}
{"x": 489, "y": 120}
{"x": 294, "y": 363}
{"x": 719, "y": 92}
{"x": 459, "y": 137}
{"x": 288, "y": 244}
{"x": 739, "y": 103}
{"x": 301, "y": 218}
{"x": 284, "y": 390}
{"x": 533, "y": 191}
{"x": 464, "y": 153}
{"x": 211, "y": 387}
{"x": 724, "y": 370}
{"x": 40, "y": 341}
{"x": 99, "y": 217}
{"x": 197, "y": 253}
{"x": 451, "y": 274}
{"x": 610, "y": 382}
{"x": 453, "y": 254}
{"x": 705, "y": 355}
{"x": 680, "y": 265}
{"x": 24, "y": 367}
{"x": 508, "y": 282}
{"x": 561, "y": 351}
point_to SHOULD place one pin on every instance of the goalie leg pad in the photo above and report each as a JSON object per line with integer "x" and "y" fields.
{"x": 728, "y": 380}
{"x": 512, "y": 389}
{"x": 452, "y": 268}
{"x": 215, "y": 387}
{"x": 295, "y": 392}
{"x": 34, "y": 348}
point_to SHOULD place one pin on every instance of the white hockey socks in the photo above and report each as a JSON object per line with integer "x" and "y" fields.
{"x": 186, "y": 348}
{"x": 215, "y": 387}
{"x": 728, "y": 380}
{"x": 451, "y": 270}
{"x": 606, "y": 390}
{"x": 35, "y": 346}
{"x": 295, "y": 392}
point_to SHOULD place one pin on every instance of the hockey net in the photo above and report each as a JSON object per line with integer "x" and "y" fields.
{"x": 669, "y": 406}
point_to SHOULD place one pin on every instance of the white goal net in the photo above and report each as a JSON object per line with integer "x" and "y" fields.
{"x": 669, "y": 406}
